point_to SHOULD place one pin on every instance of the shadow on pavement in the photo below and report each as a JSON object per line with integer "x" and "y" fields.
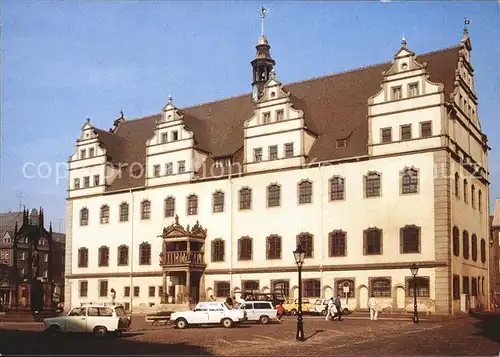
{"x": 314, "y": 334}
{"x": 488, "y": 324}
{"x": 16, "y": 342}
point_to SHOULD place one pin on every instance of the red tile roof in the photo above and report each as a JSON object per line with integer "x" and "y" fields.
{"x": 335, "y": 107}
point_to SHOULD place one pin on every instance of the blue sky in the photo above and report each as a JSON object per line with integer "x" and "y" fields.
{"x": 64, "y": 61}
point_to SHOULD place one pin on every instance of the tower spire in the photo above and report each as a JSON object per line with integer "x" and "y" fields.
{"x": 263, "y": 12}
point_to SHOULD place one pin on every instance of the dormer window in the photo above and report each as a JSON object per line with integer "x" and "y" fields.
{"x": 396, "y": 93}
{"x": 175, "y": 135}
{"x": 77, "y": 183}
{"x": 86, "y": 182}
{"x": 83, "y": 154}
{"x": 412, "y": 89}
{"x": 266, "y": 118}
{"x": 280, "y": 115}
{"x": 156, "y": 170}
{"x": 164, "y": 138}
{"x": 91, "y": 152}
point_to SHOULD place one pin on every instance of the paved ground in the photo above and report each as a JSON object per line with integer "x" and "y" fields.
{"x": 459, "y": 336}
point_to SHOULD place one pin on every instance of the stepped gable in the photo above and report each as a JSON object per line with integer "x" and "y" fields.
{"x": 335, "y": 107}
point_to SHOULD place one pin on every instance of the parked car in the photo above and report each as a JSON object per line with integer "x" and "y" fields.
{"x": 98, "y": 319}
{"x": 319, "y": 307}
{"x": 206, "y": 313}
{"x": 293, "y": 307}
{"x": 261, "y": 311}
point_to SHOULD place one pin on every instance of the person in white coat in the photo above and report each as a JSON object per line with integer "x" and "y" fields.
{"x": 329, "y": 309}
{"x": 373, "y": 306}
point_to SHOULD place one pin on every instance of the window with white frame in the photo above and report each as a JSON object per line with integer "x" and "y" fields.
{"x": 412, "y": 89}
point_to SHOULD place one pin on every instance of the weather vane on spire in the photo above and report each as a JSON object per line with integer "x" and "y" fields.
{"x": 263, "y": 12}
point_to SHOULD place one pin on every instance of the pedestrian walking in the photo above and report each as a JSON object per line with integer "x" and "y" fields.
{"x": 373, "y": 306}
{"x": 329, "y": 309}
{"x": 280, "y": 311}
{"x": 338, "y": 306}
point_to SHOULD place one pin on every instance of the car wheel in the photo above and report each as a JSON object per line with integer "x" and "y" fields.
{"x": 100, "y": 331}
{"x": 227, "y": 323}
{"x": 323, "y": 313}
{"x": 264, "y": 320}
{"x": 293, "y": 312}
{"x": 54, "y": 330}
{"x": 181, "y": 324}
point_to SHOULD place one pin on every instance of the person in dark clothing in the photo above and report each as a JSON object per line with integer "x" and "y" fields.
{"x": 229, "y": 301}
{"x": 338, "y": 305}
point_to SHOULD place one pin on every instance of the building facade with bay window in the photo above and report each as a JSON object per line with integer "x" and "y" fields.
{"x": 370, "y": 170}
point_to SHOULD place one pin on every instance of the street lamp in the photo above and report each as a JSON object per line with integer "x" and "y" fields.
{"x": 299, "y": 255}
{"x": 414, "y": 272}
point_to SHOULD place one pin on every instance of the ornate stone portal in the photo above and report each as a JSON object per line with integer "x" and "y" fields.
{"x": 183, "y": 263}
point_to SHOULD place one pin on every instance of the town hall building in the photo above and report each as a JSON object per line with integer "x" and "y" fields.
{"x": 371, "y": 170}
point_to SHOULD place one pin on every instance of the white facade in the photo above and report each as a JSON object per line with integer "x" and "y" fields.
{"x": 429, "y": 206}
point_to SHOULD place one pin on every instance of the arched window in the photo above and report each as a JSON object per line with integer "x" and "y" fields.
{"x": 337, "y": 188}
{"x": 372, "y": 242}
{"x": 218, "y": 202}
{"x": 245, "y": 198}
{"x": 456, "y": 241}
{"x": 281, "y": 288}
{"x": 483, "y": 251}
{"x": 345, "y": 283}
{"x": 218, "y": 250}
{"x": 192, "y": 205}
{"x": 409, "y": 239}
{"x": 457, "y": 184}
{"x": 169, "y": 207}
{"x": 222, "y": 289}
{"x": 83, "y": 257}
{"x": 84, "y": 217}
{"x": 380, "y": 287}
{"x": 123, "y": 255}
{"x": 145, "y": 209}
{"x": 273, "y": 195}
{"x": 273, "y": 250}
{"x": 372, "y": 184}
{"x": 305, "y": 192}
{"x": 145, "y": 253}
{"x": 465, "y": 244}
{"x": 337, "y": 244}
{"x": 103, "y": 256}
{"x": 124, "y": 212}
{"x": 312, "y": 288}
{"x": 422, "y": 287}
{"x": 245, "y": 248}
{"x": 104, "y": 214}
{"x": 473, "y": 196}
{"x": 474, "y": 247}
{"x": 465, "y": 191}
{"x": 409, "y": 181}
{"x": 306, "y": 240}
{"x": 250, "y": 287}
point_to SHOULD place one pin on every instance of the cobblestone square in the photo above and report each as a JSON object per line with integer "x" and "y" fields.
{"x": 458, "y": 336}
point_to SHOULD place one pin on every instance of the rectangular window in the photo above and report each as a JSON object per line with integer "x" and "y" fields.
{"x": 266, "y": 118}
{"x": 86, "y": 182}
{"x": 257, "y": 154}
{"x": 83, "y": 154}
{"x": 273, "y": 152}
{"x": 169, "y": 168}
{"x": 465, "y": 285}
{"x": 103, "y": 288}
{"x": 126, "y": 291}
{"x": 152, "y": 291}
{"x": 426, "y": 129}
{"x": 412, "y": 89}
{"x": 288, "y": 150}
{"x": 406, "y": 132}
{"x": 96, "y": 180}
{"x": 77, "y": 183}
{"x": 84, "y": 288}
{"x": 175, "y": 135}
{"x": 136, "y": 291}
{"x": 396, "y": 93}
{"x": 91, "y": 152}
{"x": 46, "y": 257}
{"x": 164, "y": 138}
{"x": 156, "y": 170}
{"x": 181, "y": 167}
{"x": 386, "y": 134}
{"x": 280, "y": 115}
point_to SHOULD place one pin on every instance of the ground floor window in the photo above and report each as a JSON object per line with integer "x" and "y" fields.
{"x": 422, "y": 287}
{"x": 312, "y": 288}
{"x": 103, "y": 288}
{"x": 250, "y": 287}
{"x": 456, "y": 287}
{"x": 281, "y": 288}
{"x": 222, "y": 289}
{"x": 380, "y": 287}
{"x": 344, "y": 283}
